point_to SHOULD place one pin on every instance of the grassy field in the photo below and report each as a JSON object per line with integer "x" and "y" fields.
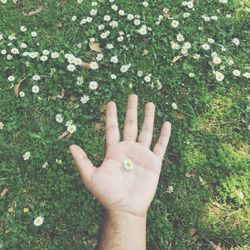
{"x": 190, "y": 58}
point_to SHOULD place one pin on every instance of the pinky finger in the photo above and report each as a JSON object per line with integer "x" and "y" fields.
{"x": 162, "y": 143}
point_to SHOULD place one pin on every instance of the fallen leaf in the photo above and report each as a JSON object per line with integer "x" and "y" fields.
{"x": 188, "y": 175}
{"x": 95, "y": 47}
{"x": 176, "y": 58}
{"x": 64, "y": 134}
{"x": 192, "y": 231}
{"x": 59, "y": 24}
{"x": 215, "y": 203}
{"x": 179, "y": 116}
{"x": 5, "y": 191}
{"x": 85, "y": 65}
{"x": 103, "y": 108}
{"x": 62, "y": 93}
{"x": 33, "y": 12}
{"x": 17, "y": 86}
{"x": 52, "y": 98}
{"x": 98, "y": 127}
{"x": 218, "y": 247}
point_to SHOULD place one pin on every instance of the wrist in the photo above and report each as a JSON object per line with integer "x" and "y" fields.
{"x": 120, "y": 215}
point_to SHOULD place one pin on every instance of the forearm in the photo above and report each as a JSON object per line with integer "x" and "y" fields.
{"x": 123, "y": 231}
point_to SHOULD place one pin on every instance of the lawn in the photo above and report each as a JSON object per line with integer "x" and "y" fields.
{"x": 61, "y": 61}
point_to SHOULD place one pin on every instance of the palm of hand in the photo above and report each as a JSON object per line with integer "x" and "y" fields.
{"x": 114, "y": 186}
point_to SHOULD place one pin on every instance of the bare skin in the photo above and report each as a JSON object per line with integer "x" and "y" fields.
{"x": 125, "y": 194}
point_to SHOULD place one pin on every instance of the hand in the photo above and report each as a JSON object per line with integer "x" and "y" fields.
{"x": 117, "y": 188}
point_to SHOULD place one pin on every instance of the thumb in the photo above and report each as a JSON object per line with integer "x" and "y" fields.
{"x": 84, "y": 165}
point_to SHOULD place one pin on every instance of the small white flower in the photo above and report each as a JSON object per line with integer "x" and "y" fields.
{"x": 35, "y": 89}
{"x": 23, "y": 28}
{"x": 45, "y": 164}
{"x": 33, "y": 34}
{"x": 191, "y": 75}
{"x": 107, "y": 18}
{"x": 84, "y": 99}
{"x": 170, "y": 189}
{"x": 26, "y": 156}
{"x": 130, "y": 16}
{"x": 101, "y": 27}
{"x": 143, "y": 30}
{"x": 99, "y": 57}
{"x": 21, "y": 94}
{"x": 59, "y": 161}
{"x": 223, "y": 1}
{"x": 120, "y": 38}
{"x": 93, "y": 12}
{"x": 3, "y": 51}
{"x": 1, "y": 125}
{"x": 174, "y": 105}
{"x": 89, "y": 19}
{"x": 187, "y": 45}
{"x": 230, "y": 62}
{"x": 113, "y": 76}
{"x": 114, "y": 7}
{"x": 9, "y": 57}
{"x": 36, "y": 77}
{"x": 205, "y": 46}
{"x": 71, "y": 67}
{"x": 247, "y": 75}
{"x": 145, "y": 4}
{"x": 196, "y": 56}
{"x": 59, "y": 118}
{"x": 236, "y": 72}
{"x": 38, "y": 221}
{"x": 140, "y": 73}
{"x": 236, "y": 41}
{"x": 11, "y": 78}
{"x": 113, "y": 24}
{"x": 93, "y": 85}
{"x": 180, "y": 38}
{"x": 14, "y": 51}
{"x": 215, "y": 18}
{"x": 12, "y": 37}
{"x": 175, "y": 23}
{"x": 216, "y": 60}
{"x": 174, "y": 45}
{"x": 43, "y": 58}
{"x": 137, "y": 22}
{"x": 78, "y": 61}
{"x": 125, "y": 68}
{"x": 54, "y": 55}
{"x": 210, "y": 40}
{"x": 121, "y": 12}
{"x": 94, "y": 65}
{"x": 71, "y": 128}
{"x": 46, "y": 52}
{"x": 219, "y": 76}
{"x": 186, "y": 15}
{"x": 3, "y": 1}
{"x": 109, "y": 46}
{"x": 73, "y": 18}
{"x": 128, "y": 164}
{"x": 147, "y": 78}
{"x": 105, "y": 34}
{"x": 23, "y": 46}
{"x": 114, "y": 59}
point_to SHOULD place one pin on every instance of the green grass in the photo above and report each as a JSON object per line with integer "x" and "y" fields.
{"x": 208, "y": 157}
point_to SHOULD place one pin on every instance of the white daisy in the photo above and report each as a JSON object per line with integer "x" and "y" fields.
{"x": 93, "y": 85}
{"x": 35, "y": 89}
{"x": 38, "y": 221}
